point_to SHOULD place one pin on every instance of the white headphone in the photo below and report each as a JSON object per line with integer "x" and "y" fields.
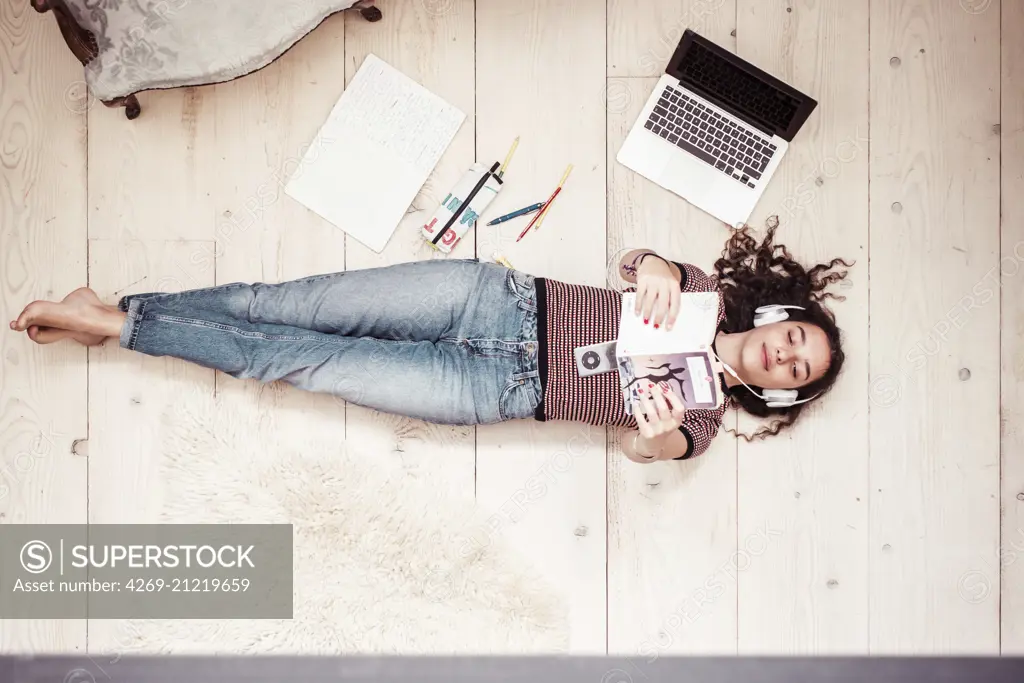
{"x": 766, "y": 315}
{"x": 774, "y": 398}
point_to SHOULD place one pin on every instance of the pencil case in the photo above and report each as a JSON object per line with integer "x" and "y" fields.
{"x": 462, "y": 207}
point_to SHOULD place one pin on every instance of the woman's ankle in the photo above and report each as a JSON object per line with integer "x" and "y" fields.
{"x": 113, "y": 322}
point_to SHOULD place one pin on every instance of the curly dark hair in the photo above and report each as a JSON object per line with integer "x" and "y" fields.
{"x": 751, "y": 275}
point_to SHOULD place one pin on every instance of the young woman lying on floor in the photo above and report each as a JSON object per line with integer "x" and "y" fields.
{"x": 464, "y": 342}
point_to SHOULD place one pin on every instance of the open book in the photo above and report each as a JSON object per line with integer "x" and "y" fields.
{"x": 680, "y": 356}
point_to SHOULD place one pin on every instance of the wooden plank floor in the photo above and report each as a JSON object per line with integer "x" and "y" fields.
{"x": 934, "y": 236}
{"x": 803, "y": 499}
{"x": 562, "y": 527}
{"x": 1011, "y": 131}
{"x": 888, "y": 521}
{"x": 43, "y": 390}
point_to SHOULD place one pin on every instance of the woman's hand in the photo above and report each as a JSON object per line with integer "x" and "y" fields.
{"x": 659, "y": 412}
{"x": 657, "y": 292}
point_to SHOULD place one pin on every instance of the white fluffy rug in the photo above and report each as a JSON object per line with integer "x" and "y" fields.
{"x": 380, "y": 555}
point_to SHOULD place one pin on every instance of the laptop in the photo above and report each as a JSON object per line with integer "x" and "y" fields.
{"x": 715, "y": 129}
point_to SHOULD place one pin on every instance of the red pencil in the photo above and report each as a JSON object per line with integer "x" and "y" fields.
{"x": 539, "y": 213}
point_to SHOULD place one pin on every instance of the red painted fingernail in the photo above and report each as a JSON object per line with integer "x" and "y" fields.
{"x": 639, "y": 391}
{"x": 645, "y": 321}
{"x": 655, "y": 325}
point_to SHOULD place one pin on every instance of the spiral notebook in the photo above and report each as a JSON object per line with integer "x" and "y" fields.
{"x": 374, "y": 153}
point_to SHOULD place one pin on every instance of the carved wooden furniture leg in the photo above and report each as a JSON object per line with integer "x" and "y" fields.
{"x": 131, "y": 105}
{"x": 132, "y": 108}
{"x": 369, "y": 12}
{"x": 81, "y": 41}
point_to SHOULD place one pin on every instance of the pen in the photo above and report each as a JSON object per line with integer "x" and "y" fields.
{"x": 517, "y": 214}
{"x": 545, "y": 212}
{"x": 534, "y": 219}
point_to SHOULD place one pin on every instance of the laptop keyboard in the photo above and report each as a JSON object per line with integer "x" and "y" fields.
{"x": 718, "y": 141}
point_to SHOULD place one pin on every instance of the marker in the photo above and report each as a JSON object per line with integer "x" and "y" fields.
{"x": 516, "y": 214}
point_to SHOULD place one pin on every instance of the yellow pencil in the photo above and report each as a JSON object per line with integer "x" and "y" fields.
{"x": 561, "y": 182}
{"x": 508, "y": 157}
{"x": 498, "y": 258}
{"x": 565, "y": 176}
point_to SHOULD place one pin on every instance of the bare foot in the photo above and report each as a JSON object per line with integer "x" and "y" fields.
{"x": 81, "y": 312}
{"x": 49, "y": 335}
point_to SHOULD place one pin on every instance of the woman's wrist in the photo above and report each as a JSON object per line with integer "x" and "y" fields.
{"x": 673, "y": 269}
{"x": 648, "y": 448}
{"x": 635, "y": 260}
{"x": 630, "y": 266}
{"x": 651, "y": 257}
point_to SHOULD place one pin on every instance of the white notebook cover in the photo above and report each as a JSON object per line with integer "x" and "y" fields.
{"x": 694, "y": 329}
{"x": 372, "y": 156}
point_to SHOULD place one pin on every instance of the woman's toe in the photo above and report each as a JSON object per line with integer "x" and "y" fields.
{"x": 26, "y": 317}
{"x": 46, "y": 335}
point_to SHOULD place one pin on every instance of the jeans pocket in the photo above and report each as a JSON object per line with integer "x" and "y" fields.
{"x": 519, "y": 399}
{"x": 522, "y": 287}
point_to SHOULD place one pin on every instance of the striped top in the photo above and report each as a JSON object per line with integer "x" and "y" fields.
{"x": 577, "y": 315}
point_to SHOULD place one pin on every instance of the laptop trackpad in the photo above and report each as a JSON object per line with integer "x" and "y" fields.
{"x": 689, "y": 173}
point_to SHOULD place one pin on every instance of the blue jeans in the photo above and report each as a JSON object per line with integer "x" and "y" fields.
{"x": 449, "y": 341}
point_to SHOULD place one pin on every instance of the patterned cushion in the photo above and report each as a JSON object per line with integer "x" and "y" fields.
{"x": 148, "y": 44}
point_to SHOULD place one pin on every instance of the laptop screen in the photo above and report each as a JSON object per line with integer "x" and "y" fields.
{"x": 746, "y": 92}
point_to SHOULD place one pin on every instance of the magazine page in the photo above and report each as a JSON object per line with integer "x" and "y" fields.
{"x": 690, "y": 375}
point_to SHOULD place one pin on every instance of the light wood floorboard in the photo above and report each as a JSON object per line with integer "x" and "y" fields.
{"x": 888, "y": 521}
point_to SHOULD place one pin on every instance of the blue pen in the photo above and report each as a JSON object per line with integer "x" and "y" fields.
{"x": 517, "y": 214}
